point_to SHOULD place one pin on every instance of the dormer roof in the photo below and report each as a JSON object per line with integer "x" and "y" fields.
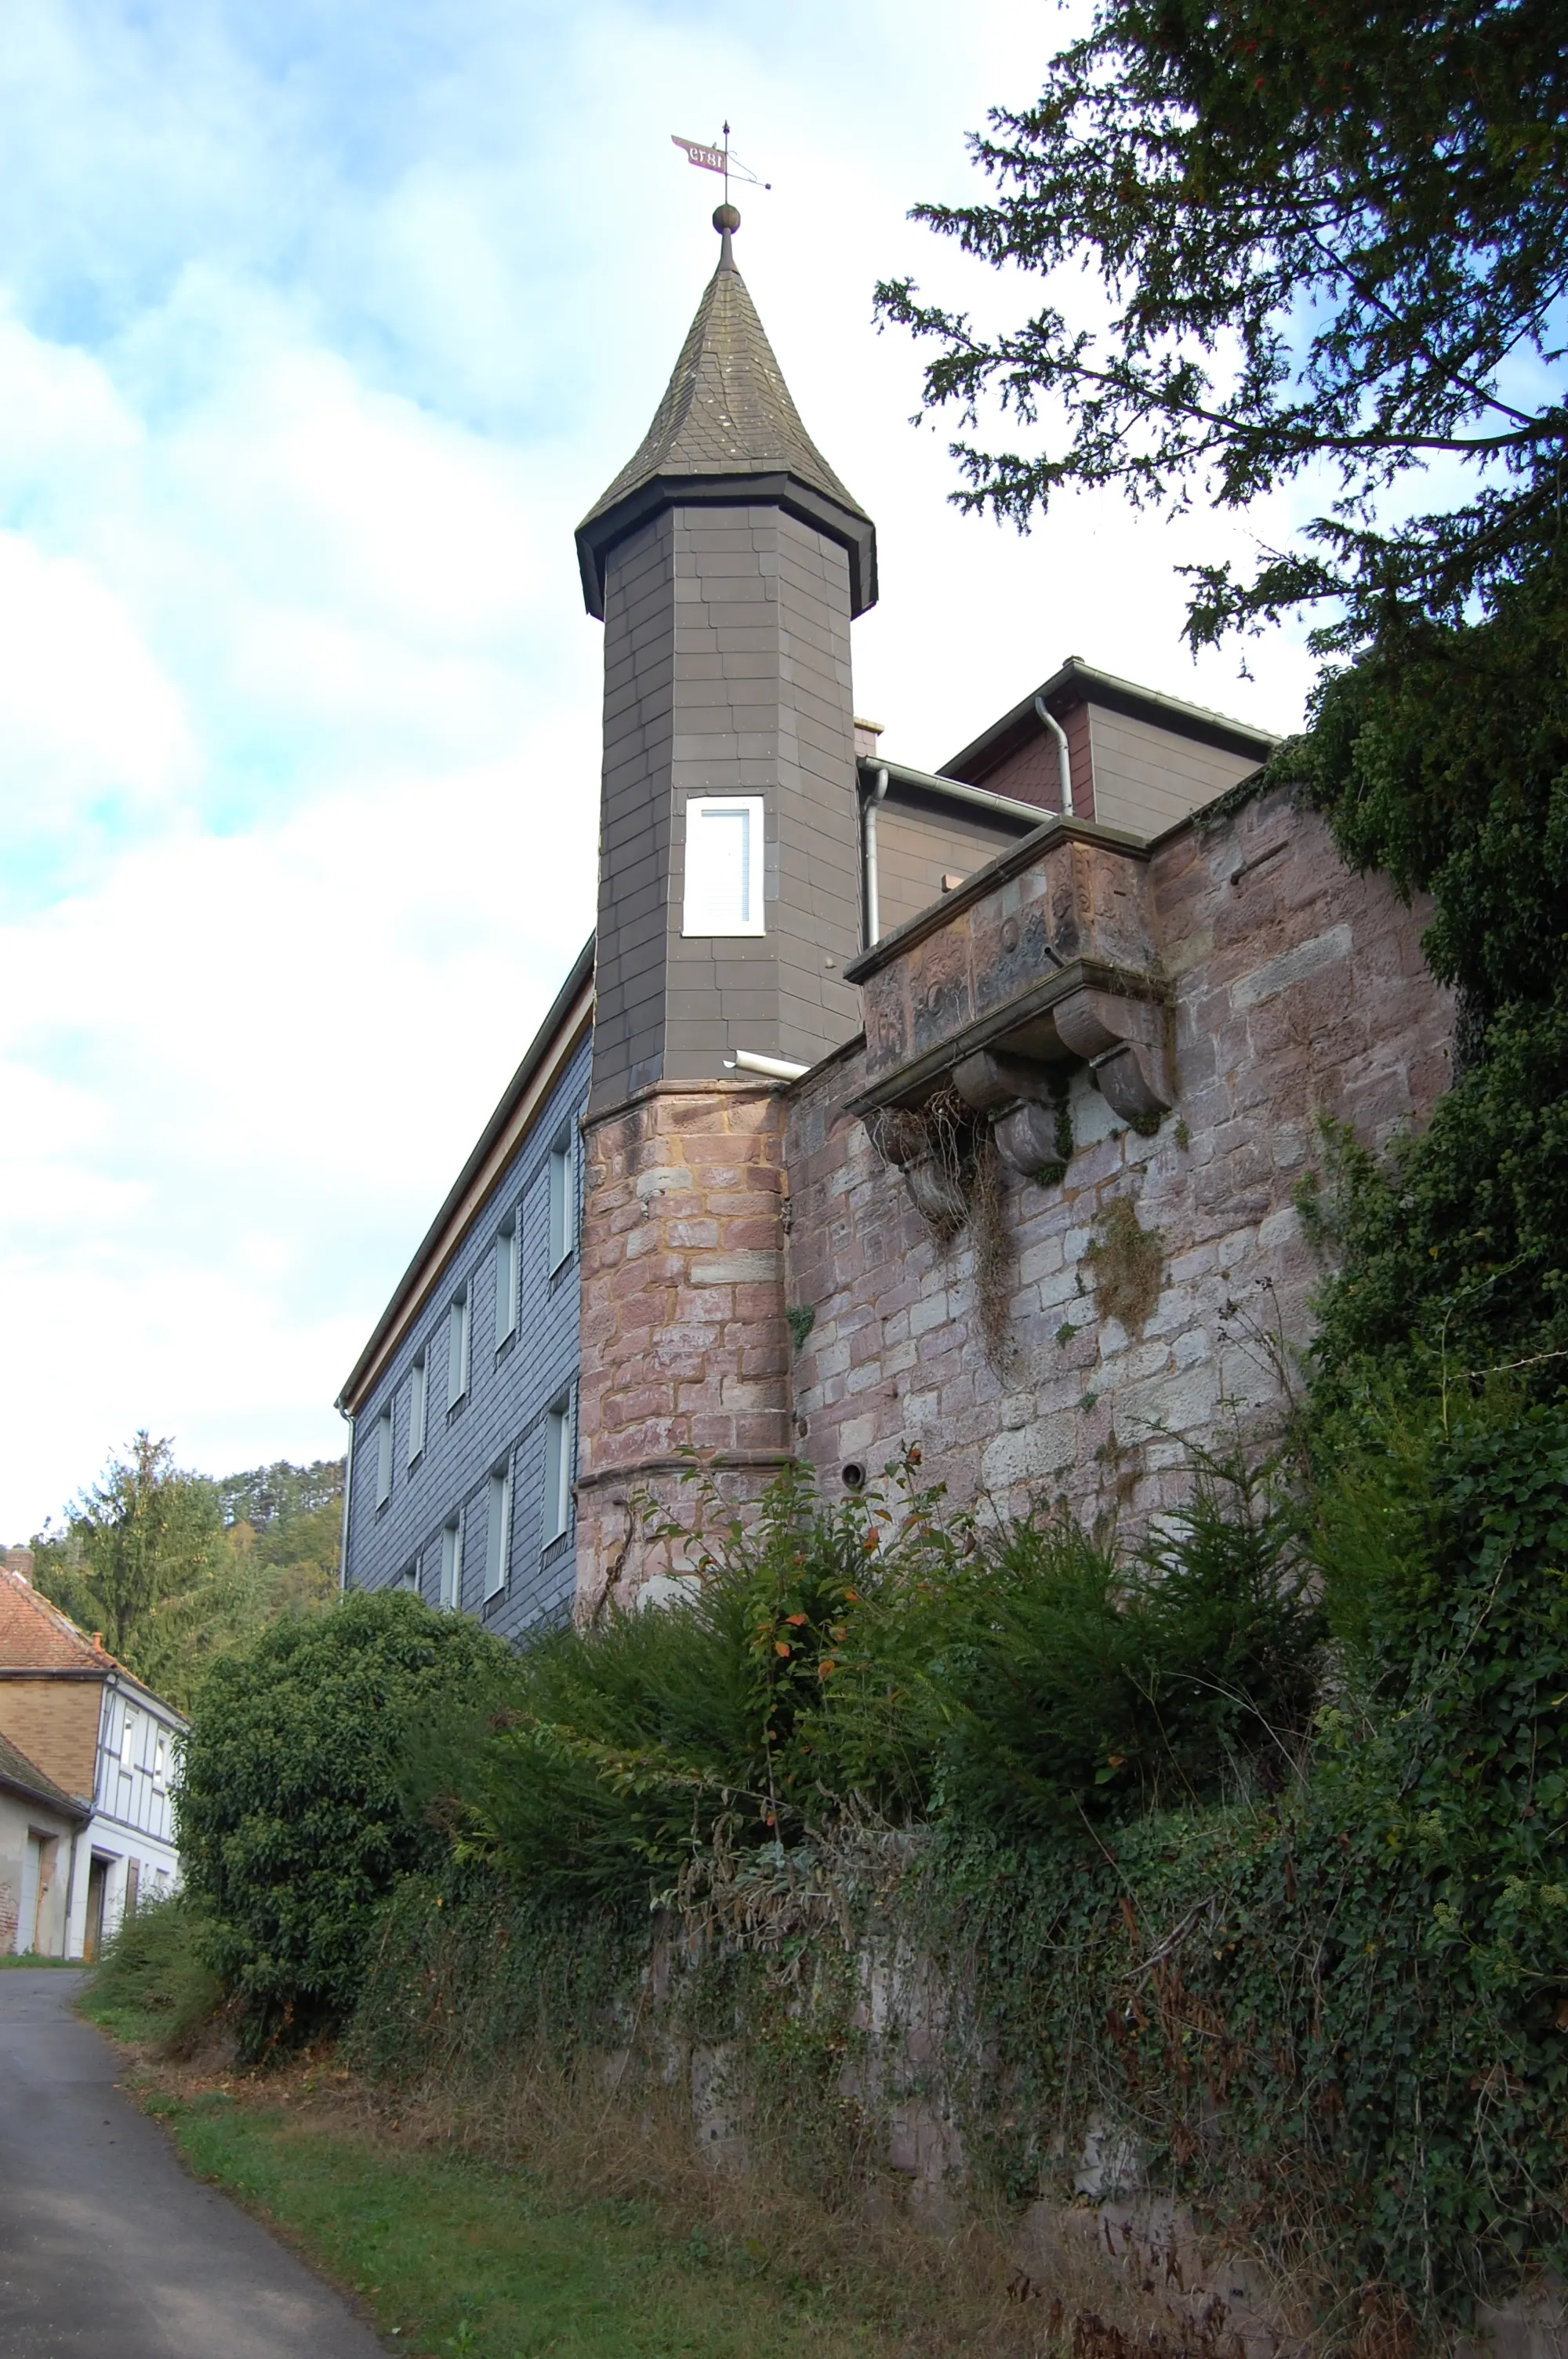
{"x": 728, "y": 431}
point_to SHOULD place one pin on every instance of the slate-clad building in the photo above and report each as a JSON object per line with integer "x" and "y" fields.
{"x": 710, "y": 1215}
{"x": 464, "y": 1400}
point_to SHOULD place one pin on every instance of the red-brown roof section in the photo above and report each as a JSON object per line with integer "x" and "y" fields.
{"x": 37, "y": 1636}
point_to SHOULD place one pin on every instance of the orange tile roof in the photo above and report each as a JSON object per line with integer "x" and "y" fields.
{"x": 37, "y": 1636}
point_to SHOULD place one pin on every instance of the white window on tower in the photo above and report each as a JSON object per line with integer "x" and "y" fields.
{"x": 128, "y": 1738}
{"x": 458, "y": 1348}
{"x": 558, "y": 1470}
{"x": 498, "y": 1532}
{"x": 723, "y": 864}
{"x": 506, "y": 1261}
{"x": 383, "y": 1457}
{"x": 452, "y": 1565}
{"x": 563, "y": 1200}
{"x": 416, "y": 1398}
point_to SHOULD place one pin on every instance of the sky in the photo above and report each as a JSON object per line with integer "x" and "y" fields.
{"x": 320, "y": 326}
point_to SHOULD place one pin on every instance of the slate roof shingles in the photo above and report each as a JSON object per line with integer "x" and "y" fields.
{"x": 726, "y": 410}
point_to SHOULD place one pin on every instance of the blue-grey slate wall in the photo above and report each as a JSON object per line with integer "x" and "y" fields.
{"x": 501, "y": 1418}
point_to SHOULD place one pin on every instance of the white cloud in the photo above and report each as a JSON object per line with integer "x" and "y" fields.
{"x": 86, "y": 716}
{"x": 322, "y": 330}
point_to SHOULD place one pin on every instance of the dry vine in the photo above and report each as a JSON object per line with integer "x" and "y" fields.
{"x": 933, "y": 1146}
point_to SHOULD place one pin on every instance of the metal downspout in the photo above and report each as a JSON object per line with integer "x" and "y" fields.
{"x": 1062, "y": 766}
{"x": 868, "y": 860}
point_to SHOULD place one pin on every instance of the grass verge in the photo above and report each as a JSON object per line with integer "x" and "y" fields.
{"x": 451, "y": 2254}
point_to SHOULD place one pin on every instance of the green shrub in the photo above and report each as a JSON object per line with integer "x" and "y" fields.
{"x": 153, "y": 1981}
{"x": 292, "y": 1813}
{"x": 626, "y": 1745}
{"x": 462, "y": 1980}
{"x": 886, "y": 1657}
{"x": 1440, "y": 756}
{"x": 1071, "y": 1688}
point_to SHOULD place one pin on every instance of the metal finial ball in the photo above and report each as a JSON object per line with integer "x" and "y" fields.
{"x": 726, "y": 217}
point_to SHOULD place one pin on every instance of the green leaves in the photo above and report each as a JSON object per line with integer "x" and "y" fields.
{"x": 1327, "y": 237}
{"x": 884, "y": 1660}
{"x": 292, "y": 1810}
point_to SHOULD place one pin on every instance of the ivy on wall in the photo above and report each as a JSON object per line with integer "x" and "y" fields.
{"x": 1440, "y": 757}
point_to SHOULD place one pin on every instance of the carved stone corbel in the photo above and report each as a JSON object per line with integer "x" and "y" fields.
{"x": 1027, "y": 1142}
{"x": 1123, "y": 1040}
{"x": 987, "y": 1081}
{"x": 1016, "y": 1092}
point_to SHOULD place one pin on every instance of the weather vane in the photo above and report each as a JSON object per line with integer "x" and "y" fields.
{"x": 719, "y": 160}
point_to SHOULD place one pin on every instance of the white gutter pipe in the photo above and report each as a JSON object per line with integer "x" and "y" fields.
{"x": 774, "y": 1069}
{"x": 347, "y": 1415}
{"x": 1062, "y": 766}
{"x": 869, "y": 859}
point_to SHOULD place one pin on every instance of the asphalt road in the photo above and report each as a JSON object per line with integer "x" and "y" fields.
{"x": 107, "y": 2249}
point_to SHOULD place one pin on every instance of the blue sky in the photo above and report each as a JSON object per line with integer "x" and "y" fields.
{"x": 320, "y": 327}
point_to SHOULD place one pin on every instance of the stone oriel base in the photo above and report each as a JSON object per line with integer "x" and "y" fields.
{"x": 685, "y": 1345}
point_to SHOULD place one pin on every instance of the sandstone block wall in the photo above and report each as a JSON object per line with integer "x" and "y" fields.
{"x": 1297, "y": 989}
{"x": 684, "y": 1340}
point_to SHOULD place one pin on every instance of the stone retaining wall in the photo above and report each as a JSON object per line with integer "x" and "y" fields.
{"x": 1297, "y": 989}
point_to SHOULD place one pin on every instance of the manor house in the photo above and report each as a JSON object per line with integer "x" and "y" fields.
{"x": 958, "y": 1108}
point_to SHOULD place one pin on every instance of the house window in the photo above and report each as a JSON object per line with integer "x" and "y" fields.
{"x": 416, "y": 1398}
{"x": 457, "y": 1349}
{"x": 452, "y": 1565}
{"x": 506, "y": 1259}
{"x": 383, "y": 1457}
{"x": 161, "y": 1764}
{"x": 723, "y": 864}
{"x": 558, "y": 1470}
{"x": 128, "y": 1739}
{"x": 498, "y": 1532}
{"x": 563, "y": 1200}
{"x": 409, "y": 1578}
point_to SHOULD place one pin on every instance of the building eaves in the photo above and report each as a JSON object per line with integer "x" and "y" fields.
{"x": 450, "y": 1225}
{"x": 928, "y": 786}
{"x": 1078, "y": 682}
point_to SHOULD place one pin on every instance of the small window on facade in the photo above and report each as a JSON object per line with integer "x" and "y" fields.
{"x": 557, "y": 1471}
{"x": 458, "y": 1348}
{"x": 409, "y": 1578}
{"x": 452, "y": 1565}
{"x": 723, "y": 864}
{"x": 563, "y": 1200}
{"x": 498, "y": 1532}
{"x": 416, "y": 1396}
{"x": 128, "y": 1739}
{"x": 383, "y": 1457}
{"x": 506, "y": 1259}
{"x": 161, "y": 1764}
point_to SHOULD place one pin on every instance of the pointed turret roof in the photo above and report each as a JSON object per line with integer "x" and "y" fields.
{"x": 728, "y": 431}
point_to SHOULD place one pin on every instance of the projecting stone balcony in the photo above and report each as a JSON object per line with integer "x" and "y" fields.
{"x": 1045, "y": 956}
